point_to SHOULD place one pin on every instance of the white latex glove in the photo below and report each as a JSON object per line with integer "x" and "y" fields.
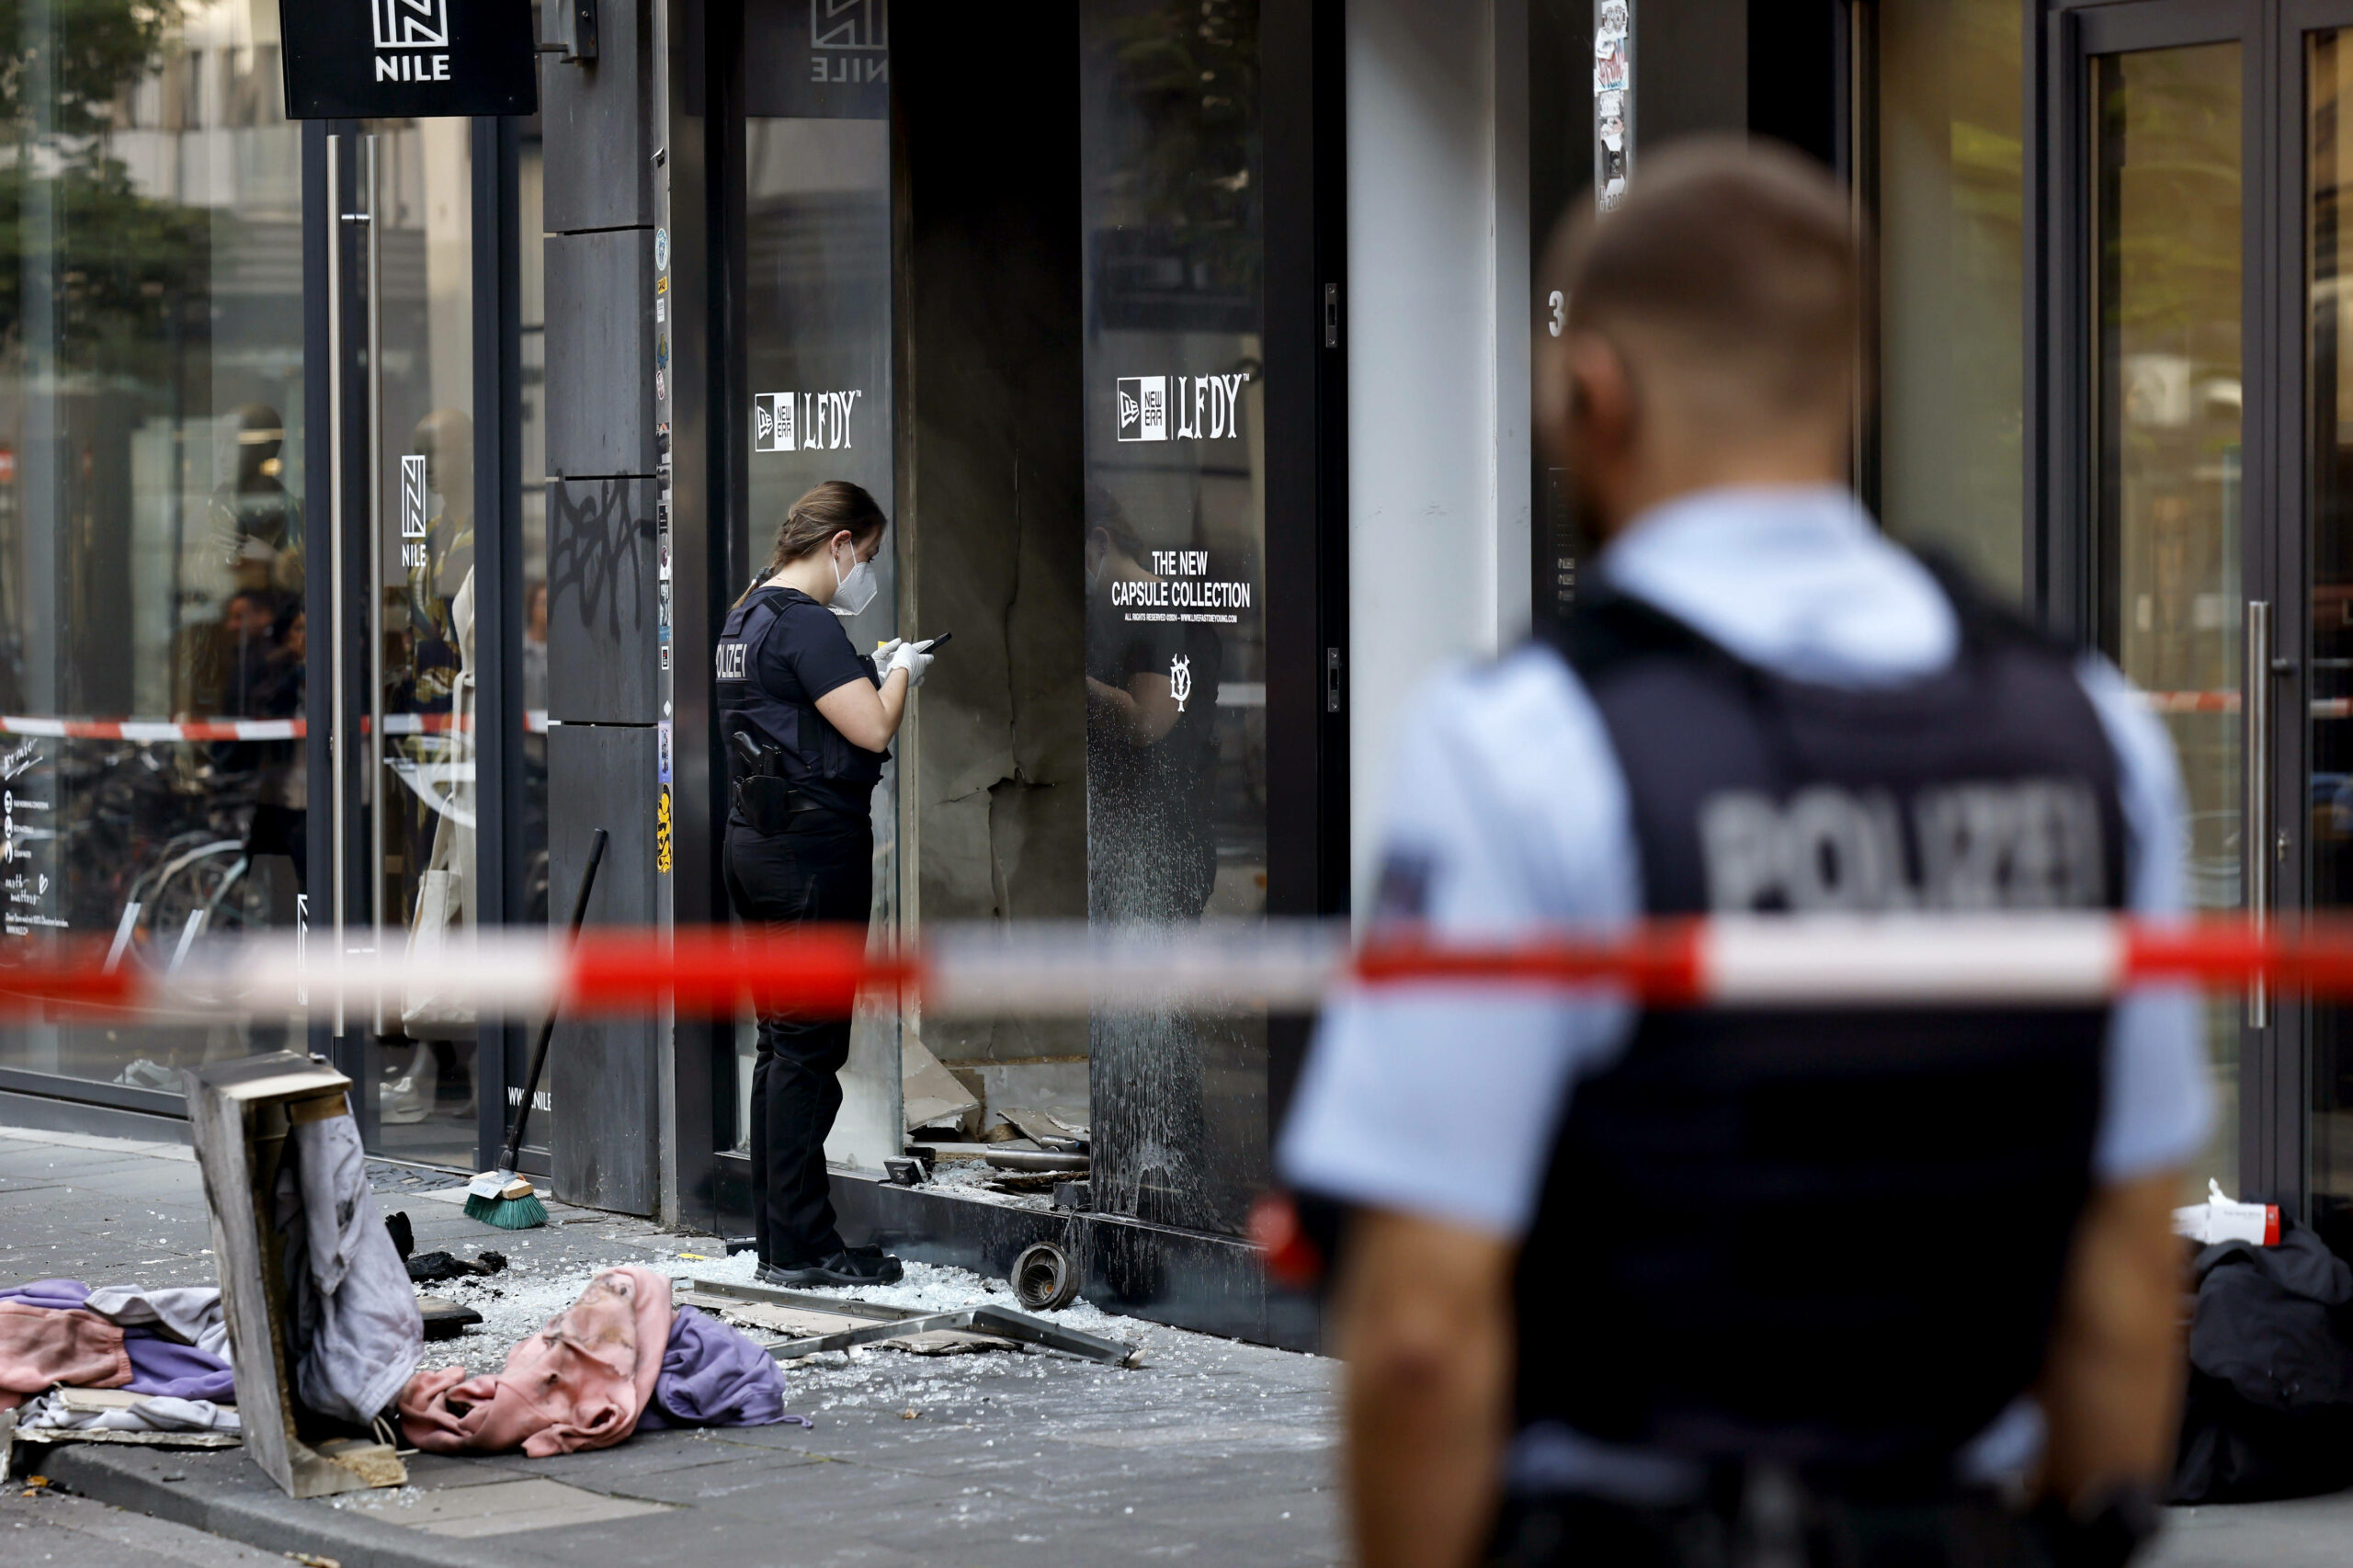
{"x": 907, "y": 658}
{"x": 882, "y": 655}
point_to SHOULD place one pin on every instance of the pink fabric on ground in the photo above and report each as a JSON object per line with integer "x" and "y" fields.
{"x": 41, "y": 1347}
{"x": 580, "y": 1382}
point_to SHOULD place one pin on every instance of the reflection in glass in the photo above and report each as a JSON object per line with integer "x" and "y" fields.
{"x": 425, "y": 655}
{"x": 1951, "y": 198}
{"x": 1175, "y": 552}
{"x": 2166, "y": 216}
{"x": 2328, "y": 391}
{"x": 152, "y": 515}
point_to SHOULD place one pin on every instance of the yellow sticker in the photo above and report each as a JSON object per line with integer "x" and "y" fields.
{"x": 662, "y": 833}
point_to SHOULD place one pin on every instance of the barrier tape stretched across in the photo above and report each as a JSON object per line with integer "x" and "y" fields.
{"x": 153, "y": 731}
{"x": 1046, "y": 969}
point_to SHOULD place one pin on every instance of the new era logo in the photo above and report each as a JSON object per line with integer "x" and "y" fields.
{"x": 411, "y": 24}
{"x": 1143, "y": 408}
{"x": 772, "y": 423}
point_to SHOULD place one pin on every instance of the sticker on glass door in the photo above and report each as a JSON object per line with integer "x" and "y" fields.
{"x": 806, "y": 422}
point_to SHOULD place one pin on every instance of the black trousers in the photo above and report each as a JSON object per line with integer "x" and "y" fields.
{"x": 1965, "y": 1531}
{"x": 820, "y": 870}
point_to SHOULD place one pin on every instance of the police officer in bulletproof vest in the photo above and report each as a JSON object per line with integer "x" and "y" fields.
{"x": 1725, "y": 1289}
{"x": 807, "y": 720}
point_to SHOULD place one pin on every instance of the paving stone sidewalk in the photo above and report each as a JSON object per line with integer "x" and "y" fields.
{"x": 1212, "y": 1452}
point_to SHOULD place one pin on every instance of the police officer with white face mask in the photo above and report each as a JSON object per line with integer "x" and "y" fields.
{"x": 1805, "y": 1287}
{"x": 808, "y": 721}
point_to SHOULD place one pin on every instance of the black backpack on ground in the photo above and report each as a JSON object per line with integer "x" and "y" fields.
{"x": 2270, "y": 1409}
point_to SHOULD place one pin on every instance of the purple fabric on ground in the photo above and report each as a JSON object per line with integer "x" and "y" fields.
{"x": 712, "y": 1376}
{"x": 160, "y": 1366}
{"x": 56, "y": 1295}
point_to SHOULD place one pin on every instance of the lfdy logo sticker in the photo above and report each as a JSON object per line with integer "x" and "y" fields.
{"x": 1180, "y": 408}
{"x": 803, "y": 422}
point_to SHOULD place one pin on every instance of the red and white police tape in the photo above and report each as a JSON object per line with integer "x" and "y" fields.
{"x": 165, "y": 731}
{"x": 1050, "y": 969}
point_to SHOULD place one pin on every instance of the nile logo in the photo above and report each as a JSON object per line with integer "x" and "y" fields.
{"x": 412, "y": 40}
{"x": 412, "y": 24}
{"x": 415, "y": 505}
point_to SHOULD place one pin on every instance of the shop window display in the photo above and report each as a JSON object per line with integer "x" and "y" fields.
{"x": 153, "y": 502}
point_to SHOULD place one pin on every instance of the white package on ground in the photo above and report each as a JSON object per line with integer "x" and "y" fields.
{"x": 2221, "y": 1219}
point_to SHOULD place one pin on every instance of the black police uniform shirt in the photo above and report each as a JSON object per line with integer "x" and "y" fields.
{"x": 778, "y": 653}
{"x": 1508, "y": 812}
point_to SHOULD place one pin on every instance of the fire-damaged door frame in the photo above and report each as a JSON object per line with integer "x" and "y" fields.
{"x": 1194, "y": 1279}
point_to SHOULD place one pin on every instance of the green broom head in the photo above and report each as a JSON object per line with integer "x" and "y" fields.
{"x": 505, "y": 1200}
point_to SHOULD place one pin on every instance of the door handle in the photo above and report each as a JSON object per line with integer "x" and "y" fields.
{"x": 339, "y": 699}
{"x": 377, "y": 797}
{"x": 2256, "y": 831}
{"x": 340, "y": 707}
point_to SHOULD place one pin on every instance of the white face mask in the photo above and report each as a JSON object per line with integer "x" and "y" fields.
{"x": 854, "y": 589}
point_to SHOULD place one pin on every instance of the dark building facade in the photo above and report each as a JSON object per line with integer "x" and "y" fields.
{"x": 371, "y": 492}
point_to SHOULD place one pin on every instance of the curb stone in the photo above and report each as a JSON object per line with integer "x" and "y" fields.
{"x": 223, "y": 1494}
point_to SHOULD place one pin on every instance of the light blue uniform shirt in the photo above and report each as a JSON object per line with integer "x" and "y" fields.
{"x": 1443, "y": 1101}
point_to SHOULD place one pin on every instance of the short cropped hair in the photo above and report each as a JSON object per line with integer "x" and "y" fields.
{"x": 1733, "y": 272}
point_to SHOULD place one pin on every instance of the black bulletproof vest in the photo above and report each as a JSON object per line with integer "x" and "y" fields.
{"x": 818, "y": 758}
{"x": 1834, "y": 1238}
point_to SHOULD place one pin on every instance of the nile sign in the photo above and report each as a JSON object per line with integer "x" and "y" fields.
{"x": 369, "y": 59}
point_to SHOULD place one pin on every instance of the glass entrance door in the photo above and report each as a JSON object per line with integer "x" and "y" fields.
{"x": 404, "y": 786}
{"x": 2219, "y": 476}
{"x": 2168, "y": 545}
{"x": 2324, "y": 52}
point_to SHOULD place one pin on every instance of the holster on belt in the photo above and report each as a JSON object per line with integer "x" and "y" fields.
{"x": 766, "y": 801}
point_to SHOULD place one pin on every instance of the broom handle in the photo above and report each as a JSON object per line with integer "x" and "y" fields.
{"x": 546, "y": 1026}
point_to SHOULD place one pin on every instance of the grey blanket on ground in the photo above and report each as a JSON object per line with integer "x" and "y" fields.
{"x": 189, "y": 1314}
{"x": 358, "y": 1332}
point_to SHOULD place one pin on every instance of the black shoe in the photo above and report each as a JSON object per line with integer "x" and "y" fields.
{"x": 861, "y": 1267}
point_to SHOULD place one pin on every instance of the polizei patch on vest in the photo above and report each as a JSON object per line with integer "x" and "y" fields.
{"x": 2014, "y": 844}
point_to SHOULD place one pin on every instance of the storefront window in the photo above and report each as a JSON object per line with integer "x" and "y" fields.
{"x": 152, "y": 512}
{"x": 1950, "y": 200}
{"x": 1176, "y": 533}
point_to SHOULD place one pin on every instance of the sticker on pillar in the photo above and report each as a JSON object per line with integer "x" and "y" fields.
{"x": 1143, "y": 408}
{"x": 661, "y": 751}
{"x": 661, "y": 442}
{"x": 660, "y": 250}
{"x": 415, "y": 495}
{"x": 661, "y": 555}
{"x": 662, "y": 830}
{"x": 661, "y": 386}
{"x": 1613, "y": 101}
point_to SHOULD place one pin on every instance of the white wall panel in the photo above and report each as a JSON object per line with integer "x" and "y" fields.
{"x": 1438, "y": 357}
